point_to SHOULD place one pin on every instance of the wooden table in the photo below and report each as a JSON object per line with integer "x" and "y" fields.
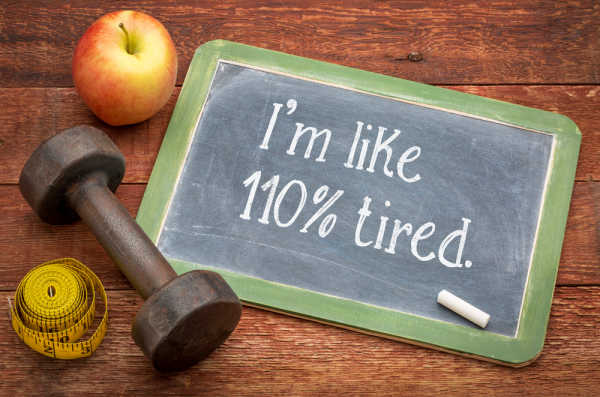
{"x": 545, "y": 55}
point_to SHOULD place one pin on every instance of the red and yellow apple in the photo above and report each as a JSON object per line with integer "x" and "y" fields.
{"x": 125, "y": 67}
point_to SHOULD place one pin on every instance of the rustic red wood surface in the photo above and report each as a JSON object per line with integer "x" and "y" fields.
{"x": 544, "y": 54}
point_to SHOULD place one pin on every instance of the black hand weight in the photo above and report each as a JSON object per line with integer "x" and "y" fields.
{"x": 184, "y": 318}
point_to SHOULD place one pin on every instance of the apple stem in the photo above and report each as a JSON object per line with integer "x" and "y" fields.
{"x": 128, "y": 45}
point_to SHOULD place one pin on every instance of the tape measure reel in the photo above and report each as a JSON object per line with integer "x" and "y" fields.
{"x": 54, "y": 307}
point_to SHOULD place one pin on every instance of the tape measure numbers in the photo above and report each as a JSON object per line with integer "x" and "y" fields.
{"x": 54, "y": 307}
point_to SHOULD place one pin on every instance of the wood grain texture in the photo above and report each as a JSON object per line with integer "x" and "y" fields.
{"x": 271, "y": 354}
{"x": 50, "y": 110}
{"x": 544, "y": 54}
{"x": 480, "y": 42}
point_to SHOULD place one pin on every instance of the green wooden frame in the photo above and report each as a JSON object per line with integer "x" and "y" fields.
{"x": 514, "y": 351}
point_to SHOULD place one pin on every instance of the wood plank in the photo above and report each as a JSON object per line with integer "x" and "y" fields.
{"x": 481, "y": 42}
{"x": 271, "y": 354}
{"x": 26, "y": 241}
{"x": 54, "y": 109}
{"x": 581, "y": 246}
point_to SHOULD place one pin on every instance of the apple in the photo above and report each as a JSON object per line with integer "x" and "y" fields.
{"x": 125, "y": 67}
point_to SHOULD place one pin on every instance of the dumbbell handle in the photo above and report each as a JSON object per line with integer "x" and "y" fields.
{"x": 124, "y": 240}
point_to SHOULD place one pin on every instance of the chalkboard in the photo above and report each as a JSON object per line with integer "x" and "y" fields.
{"x": 364, "y": 204}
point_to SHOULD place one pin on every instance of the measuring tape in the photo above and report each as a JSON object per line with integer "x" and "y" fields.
{"x": 54, "y": 307}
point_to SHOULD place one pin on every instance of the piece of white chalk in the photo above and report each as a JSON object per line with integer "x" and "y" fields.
{"x": 463, "y": 308}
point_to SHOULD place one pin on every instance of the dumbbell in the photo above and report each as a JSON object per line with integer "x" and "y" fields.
{"x": 184, "y": 318}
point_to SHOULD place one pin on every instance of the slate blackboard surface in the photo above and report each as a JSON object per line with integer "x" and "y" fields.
{"x": 487, "y": 172}
{"x": 354, "y": 198}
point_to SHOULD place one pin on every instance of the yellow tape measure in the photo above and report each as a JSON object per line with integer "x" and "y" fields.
{"x": 54, "y": 307}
